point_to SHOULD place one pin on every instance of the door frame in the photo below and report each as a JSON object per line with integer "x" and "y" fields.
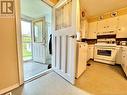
{"x": 17, "y": 10}
{"x": 19, "y": 41}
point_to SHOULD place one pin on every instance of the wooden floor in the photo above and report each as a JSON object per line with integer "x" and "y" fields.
{"x": 103, "y": 79}
{"x": 32, "y": 68}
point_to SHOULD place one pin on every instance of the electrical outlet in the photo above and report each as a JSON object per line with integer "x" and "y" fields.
{"x": 8, "y": 93}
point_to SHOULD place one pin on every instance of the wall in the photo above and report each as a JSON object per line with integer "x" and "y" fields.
{"x": 8, "y": 53}
{"x": 121, "y": 11}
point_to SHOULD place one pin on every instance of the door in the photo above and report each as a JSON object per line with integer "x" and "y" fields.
{"x": 66, "y": 24}
{"x": 39, "y": 41}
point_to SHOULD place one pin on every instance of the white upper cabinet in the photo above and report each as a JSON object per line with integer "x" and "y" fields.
{"x": 112, "y": 25}
{"x": 122, "y": 27}
{"x": 92, "y": 30}
{"x": 84, "y": 28}
{"x": 108, "y": 26}
{"x": 101, "y": 27}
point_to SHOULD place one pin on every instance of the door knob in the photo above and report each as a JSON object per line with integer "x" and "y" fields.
{"x": 73, "y": 36}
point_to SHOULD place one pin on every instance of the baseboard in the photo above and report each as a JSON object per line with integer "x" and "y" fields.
{"x": 9, "y": 88}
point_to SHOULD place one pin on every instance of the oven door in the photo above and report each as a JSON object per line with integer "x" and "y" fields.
{"x": 105, "y": 53}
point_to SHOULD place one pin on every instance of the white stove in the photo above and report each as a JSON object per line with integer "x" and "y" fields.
{"x": 106, "y": 45}
{"x": 105, "y": 51}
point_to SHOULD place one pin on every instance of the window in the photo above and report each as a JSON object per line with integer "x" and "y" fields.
{"x": 26, "y": 40}
{"x": 38, "y": 30}
{"x": 63, "y": 16}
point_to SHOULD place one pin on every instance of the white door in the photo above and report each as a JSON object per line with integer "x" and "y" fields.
{"x": 39, "y": 41}
{"x": 66, "y": 24}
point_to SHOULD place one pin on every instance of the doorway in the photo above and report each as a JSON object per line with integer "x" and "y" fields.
{"x": 36, "y": 31}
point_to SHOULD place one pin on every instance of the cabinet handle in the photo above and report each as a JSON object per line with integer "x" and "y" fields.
{"x": 119, "y": 29}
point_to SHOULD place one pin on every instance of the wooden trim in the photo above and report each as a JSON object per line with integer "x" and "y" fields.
{"x": 107, "y": 15}
{"x": 19, "y": 41}
{"x": 9, "y": 88}
{"x": 54, "y": 1}
{"x": 49, "y": 3}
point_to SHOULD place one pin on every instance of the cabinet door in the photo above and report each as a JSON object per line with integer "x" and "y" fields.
{"x": 82, "y": 54}
{"x": 122, "y": 27}
{"x": 84, "y": 29}
{"x": 108, "y": 26}
{"x": 90, "y": 52}
{"x": 124, "y": 58}
{"x": 112, "y": 24}
{"x": 92, "y": 30}
{"x": 119, "y": 55}
{"x": 101, "y": 27}
{"x": 124, "y": 55}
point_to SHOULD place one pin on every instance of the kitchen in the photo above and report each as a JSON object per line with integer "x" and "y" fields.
{"x": 101, "y": 51}
{"x": 103, "y": 40}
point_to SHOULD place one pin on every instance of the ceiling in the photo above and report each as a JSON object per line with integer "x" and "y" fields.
{"x": 35, "y": 8}
{"x": 99, "y": 7}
